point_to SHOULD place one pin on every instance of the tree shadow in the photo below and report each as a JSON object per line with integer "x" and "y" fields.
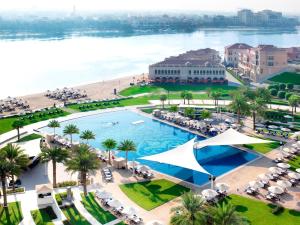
{"x": 241, "y": 208}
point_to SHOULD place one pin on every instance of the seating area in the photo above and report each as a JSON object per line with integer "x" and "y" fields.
{"x": 12, "y": 104}
{"x": 141, "y": 170}
{"x": 273, "y": 130}
{"x": 107, "y": 174}
{"x": 66, "y": 94}
{"x": 126, "y": 213}
{"x": 207, "y": 127}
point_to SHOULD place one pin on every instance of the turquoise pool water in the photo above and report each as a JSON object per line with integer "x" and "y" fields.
{"x": 153, "y": 137}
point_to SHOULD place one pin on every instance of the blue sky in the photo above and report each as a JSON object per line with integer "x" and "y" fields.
{"x": 290, "y": 6}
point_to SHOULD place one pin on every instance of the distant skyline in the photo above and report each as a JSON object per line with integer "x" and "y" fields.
{"x": 286, "y": 6}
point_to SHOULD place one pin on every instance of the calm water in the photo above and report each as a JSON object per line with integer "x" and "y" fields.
{"x": 153, "y": 137}
{"x": 33, "y": 65}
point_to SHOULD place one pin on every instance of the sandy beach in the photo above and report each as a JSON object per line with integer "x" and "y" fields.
{"x": 95, "y": 91}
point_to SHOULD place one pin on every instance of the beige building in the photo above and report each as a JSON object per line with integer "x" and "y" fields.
{"x": 199, "y": 66}
{"x": 293, "y": 54}
{"x": 263, "y": 62}
{"x": 232, "y": 52}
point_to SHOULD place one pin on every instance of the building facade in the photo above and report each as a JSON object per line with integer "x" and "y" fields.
{"x": 199, "y": 66}
{"x": 232, "y": 52}
{"x": 293, "y": 54}
{"x": 262, "y": 62}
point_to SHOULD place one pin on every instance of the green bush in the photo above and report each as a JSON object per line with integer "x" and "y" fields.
{"x": 290, "y": 86}
{"x": 58, "y": 199}
{"x": 277, "y": 210}
{"x": 282, "y": 86}
{"x": 67, "y": 183}
{"x": 288, "y": 95}
{"x": 273, "y": 92}
{"x": 274, "y": 86}
{"x": 281, "y": 94}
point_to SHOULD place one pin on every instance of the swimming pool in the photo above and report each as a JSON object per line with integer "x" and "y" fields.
{"x": 152, "y": 137}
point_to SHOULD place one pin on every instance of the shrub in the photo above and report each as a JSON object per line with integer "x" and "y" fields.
{"x": 17, "y": 190}
{"x": 281, "y": 94}
{"x": 290, "y": 86}
{"x": 282, "y": 86}
{"x": 277, "y": 210}
{"x": 274, "y": 86}
{"x": 288, "y": 95}
{"x": 67, "y": 183}
{"x": 273, "y": 92}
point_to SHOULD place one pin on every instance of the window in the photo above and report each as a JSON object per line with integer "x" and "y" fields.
{"x": 270, "y": 63}
{"x": 270, "y": 57}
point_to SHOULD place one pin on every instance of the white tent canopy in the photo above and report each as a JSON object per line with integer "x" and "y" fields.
{"x": 230, "y": 137}
{"x": 182, "y": 156}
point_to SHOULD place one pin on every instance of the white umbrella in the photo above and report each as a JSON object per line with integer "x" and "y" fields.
{"x": 133, "y": 164}
{"x": 254, "y": 184}
{"x": 213, "y": 129}
{"x": 260, "y": 125}
{"x": 294, "y": 175}
{"x": 228, "y": 120}
{"x": 284, "y": 183}
{"x": 286, "y": 150}
{"x": 276, "y": 190}
{"x": 208, "y": 120}
{"x": 103, "y": 194}
{"x": 285, "y": 129}
{"x": 155, "y": 222}
{"x": 298, "y": 170}
{"x": 130, "y": 211}
{"x": 114, "y": 203}
{"x": 222, "y": 186}
{"x": 266, "y": 177}
{"x": 209, "y": 193}
{"x": 275, "y": 170}
{"x": 295, "y": 145}
{"x": 283, "y": 165}
{"x": 273, "y": 127}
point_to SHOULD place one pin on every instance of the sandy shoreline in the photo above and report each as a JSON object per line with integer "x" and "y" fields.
{"x": 95, "y": 91}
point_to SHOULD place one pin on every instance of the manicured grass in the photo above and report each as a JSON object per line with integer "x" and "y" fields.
{"x": 6, "y": 123}
{"x": 73, "y": 216}
{"x": 288, "y": 77}
{"x": 30, "y": 137}
{"x": 151, "y": 194}
{"x": 295, "y": 163}
{"x": 12, "y": 215}
{"x": 95, "y": 210}
{"x": 162, "y": 88}
{"x": 259, "y": 213}
{"x": 263, "y": 148}
{"x": 43, "y": 216}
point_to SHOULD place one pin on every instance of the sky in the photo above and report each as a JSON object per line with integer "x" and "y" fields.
{"x": 287, "y": 6}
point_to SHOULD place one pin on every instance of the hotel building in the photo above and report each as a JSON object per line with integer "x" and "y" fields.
{"x": 263, "y": 62}
{"x": 199, "y": 66}
{"x": 232, "y": 52}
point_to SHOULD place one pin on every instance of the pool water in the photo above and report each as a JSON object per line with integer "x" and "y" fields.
{"x": 152, "y": 137}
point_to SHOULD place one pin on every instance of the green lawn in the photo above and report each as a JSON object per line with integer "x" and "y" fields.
{"x": 73, "y": 216}
{"x": 174, "y": 88}
{"x": 6, "y": 123}
{"x": 30, "y": 137}
{"x": 12, "y": 215}
{"x": 263, "y": 148}
{"x": 259, "y": 213}
{"x": 288, "y": 77}
{"x": 43, "y": 216}
{"x": 295, "y": 163}
{"x": 95, "y": 210}
{"x": 151, "y": 194}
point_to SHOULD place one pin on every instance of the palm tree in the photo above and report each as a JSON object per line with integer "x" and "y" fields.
{"x": 174, "y": 108}
{"x": 189, "y": 112}
{"x": 84, "y": 161}
{"x": 163, "y": 98}
{"x": 17, "y": 159}
{"x": 239, "y": 105}
{"x": 205, "y": 114}
{"x": 18, "y": 124}
{"x": 190, "y": 212}
{"x": 70, "y": 130}
{"x": 216, "y": 95}
{"x": 257, "y": 107}
{"x": 87, "y": 135}
{"x": 109, "y": 144}
{"x": 265, "y": 94}
{"x": 294, "y": 102}
{"x": 56, "y": 155}
{"x": 54, "y": 124}
{"x": 183, "y": 96}
{"x": 189, "y": 96}
{"x": 127, "y": 146}
{"x": 5, "y": 170}
{"x": 225, "y": 214}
